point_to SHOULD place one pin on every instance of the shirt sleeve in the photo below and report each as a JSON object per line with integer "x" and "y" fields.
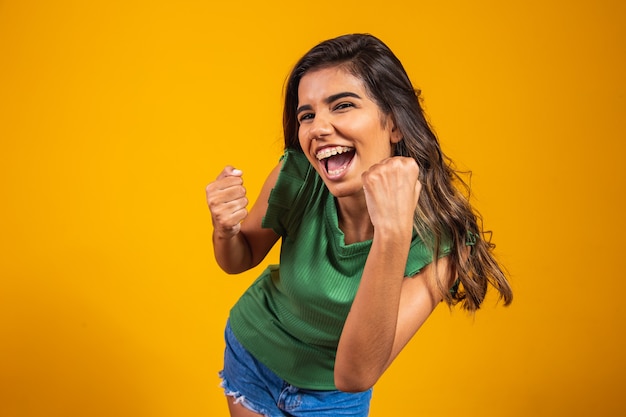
{"x": 421, "y": 255}
{"x": 287, "y": 199}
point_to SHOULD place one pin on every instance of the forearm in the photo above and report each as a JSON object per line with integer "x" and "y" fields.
{"x": 232, "y": 254}
{"x": 368, "y": 336}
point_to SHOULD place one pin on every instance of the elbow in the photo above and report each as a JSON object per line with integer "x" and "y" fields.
{"x": 351, "y": 382}
{"x": 352, "y": 388}
{"x": 234, "y": 268}
{"x": 232, "y": 271}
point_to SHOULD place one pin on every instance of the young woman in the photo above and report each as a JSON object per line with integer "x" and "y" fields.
{"x": 374, "y": 235}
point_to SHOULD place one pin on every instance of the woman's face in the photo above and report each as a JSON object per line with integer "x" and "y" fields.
{"x": 342, "y": 131}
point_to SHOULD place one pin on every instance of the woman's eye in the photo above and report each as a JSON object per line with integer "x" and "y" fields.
{"x": 343, "y": 106}
{"x": 306, "y": 116}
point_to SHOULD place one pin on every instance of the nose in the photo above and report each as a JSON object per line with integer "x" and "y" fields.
{"x": 320, "y": 127}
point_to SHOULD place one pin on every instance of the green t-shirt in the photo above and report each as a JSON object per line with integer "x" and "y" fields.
{"x": 291, "y": 317}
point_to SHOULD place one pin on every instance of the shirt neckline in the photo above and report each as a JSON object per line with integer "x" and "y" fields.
{"x": 338, "y": 237}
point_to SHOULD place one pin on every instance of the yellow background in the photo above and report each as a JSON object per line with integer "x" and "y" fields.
{"x": 115, "y": 114}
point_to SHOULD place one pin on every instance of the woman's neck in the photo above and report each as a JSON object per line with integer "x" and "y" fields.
{"x": 354, "y": 219}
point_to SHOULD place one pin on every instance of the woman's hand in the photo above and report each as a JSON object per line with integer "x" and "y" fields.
{"x": 391, "y": 191}
{"x": 239, "y": 245}
{"x": 226, "y": 197}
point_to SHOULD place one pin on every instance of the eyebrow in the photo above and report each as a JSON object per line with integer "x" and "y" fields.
{"x": 329, "y": 100}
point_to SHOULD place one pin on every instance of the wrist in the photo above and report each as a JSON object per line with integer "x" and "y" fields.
{"x": 226, "y": 234}
{"x": 392, "y": 232}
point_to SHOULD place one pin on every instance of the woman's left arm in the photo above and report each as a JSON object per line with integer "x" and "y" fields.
{"x": 382, "y": 321}
{"x": 388, "y": 308}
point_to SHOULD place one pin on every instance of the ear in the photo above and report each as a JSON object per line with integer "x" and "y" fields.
{"x": 396, "y": 135}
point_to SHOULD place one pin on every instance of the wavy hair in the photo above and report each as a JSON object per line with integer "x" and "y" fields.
{"x": 444, "y": 213}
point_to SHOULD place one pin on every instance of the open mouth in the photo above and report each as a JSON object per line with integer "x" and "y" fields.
{"x": 335, "y": 159}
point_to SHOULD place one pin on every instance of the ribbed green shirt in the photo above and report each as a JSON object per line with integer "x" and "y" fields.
{"x": 291, "y": 317}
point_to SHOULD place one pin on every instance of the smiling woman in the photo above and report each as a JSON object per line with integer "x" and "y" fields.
{"x": 374, "y": 236}
{"x": 336, "y": 113}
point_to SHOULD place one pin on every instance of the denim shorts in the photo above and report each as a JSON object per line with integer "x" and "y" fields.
{"x": 257, "y": 388}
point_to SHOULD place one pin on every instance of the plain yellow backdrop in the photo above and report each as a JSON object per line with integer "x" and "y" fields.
{"x": 114, "y": 115}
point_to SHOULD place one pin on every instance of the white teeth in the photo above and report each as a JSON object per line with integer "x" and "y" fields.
{"x": 328, "y": 152}
{"x": 337, "y": 171}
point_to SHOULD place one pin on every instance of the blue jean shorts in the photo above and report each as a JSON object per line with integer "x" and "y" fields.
{"x": 257, "y": 388}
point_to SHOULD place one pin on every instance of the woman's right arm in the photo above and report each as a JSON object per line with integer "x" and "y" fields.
{"x": 239, "y": 240}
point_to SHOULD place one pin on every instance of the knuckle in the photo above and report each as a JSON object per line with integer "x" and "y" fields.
{"x": 209, "y": 188}
{"x": 211, "y": 201}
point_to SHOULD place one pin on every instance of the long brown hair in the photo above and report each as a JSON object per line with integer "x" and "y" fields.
{"x": 444, "y": 213}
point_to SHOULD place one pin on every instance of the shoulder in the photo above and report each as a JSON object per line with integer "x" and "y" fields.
{"x": 422, "y": 253}
{"x": 294, "y": 184}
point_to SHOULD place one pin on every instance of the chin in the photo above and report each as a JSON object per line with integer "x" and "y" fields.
{"x": 344, "y": 190}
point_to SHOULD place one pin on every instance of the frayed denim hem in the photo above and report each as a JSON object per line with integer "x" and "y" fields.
{"x": 239, "y": 398}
